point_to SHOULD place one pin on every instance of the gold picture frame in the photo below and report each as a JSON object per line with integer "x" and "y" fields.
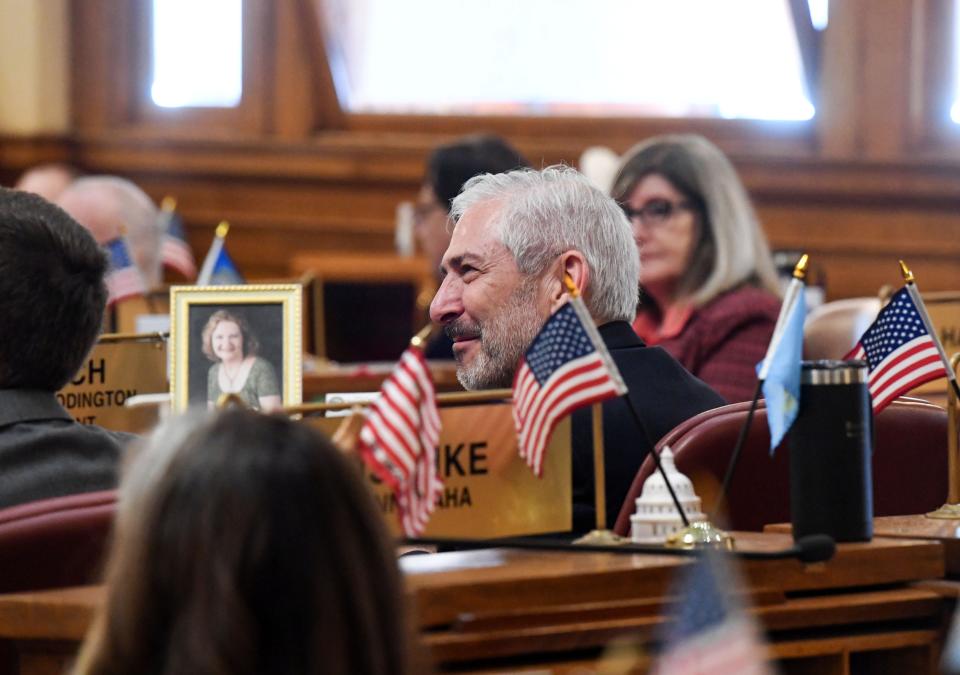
{"x": 268, "y": 315}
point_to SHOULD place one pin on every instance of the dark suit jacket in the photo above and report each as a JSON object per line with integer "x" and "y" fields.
{"x": 45, "y": 453}
{"x": 664, "y": 394}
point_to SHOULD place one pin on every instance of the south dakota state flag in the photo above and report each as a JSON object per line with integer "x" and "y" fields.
{"x": 781, "y": 387}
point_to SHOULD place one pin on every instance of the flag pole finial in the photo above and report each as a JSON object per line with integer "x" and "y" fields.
{"x": 420, "y": 338}
{"x": 571, "y": 287}
{"x": 907, "y": 274}
{"x": 800, "y": 270}
{"x": 169, "y": 204}
{"x": 222, "y": 229}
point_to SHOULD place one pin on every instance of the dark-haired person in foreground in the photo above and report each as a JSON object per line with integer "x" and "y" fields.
{"x": 516, "y": 235}
{"x": 52, "y": 299}
{"x": 245, "y": 544}
{"x": 449, "y": 167}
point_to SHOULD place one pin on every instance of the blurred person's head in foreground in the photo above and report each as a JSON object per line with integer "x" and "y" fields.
{"x": 52, "y": 294}
{"x": 449, "y": 167}
{"x": 112, "y": 207}
{"x": 247, "y": 543}
{"x": 47, "y": 180}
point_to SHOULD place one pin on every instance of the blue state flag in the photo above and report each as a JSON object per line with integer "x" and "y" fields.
{"x": 224, "y": 272}
{"x": 781, "y": 388}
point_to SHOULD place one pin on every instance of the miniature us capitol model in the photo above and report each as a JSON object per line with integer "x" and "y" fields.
{"x": 656, "y": 517}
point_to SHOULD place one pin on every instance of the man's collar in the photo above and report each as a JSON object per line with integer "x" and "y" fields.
{"x": 25, "y": 405}
{"x": 619, "y": 334}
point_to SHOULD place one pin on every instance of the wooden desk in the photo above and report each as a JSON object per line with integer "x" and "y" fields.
{"x": 501, "y": 610}
{"x": 486, "y": 608}
{"x": 946, "y": 532}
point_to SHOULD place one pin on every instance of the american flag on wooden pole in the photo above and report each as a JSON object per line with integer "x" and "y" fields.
{"x": 123, "y": 279}
{"x": 566, "y": 366}
{"x": 900, "y": 350}
{"x": 399, "y": 437}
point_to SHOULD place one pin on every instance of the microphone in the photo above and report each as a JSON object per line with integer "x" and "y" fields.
{"x": 809, "y": 549}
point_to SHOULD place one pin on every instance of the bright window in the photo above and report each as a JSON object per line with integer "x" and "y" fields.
{"x": 197, "y": 53}
{"x": 708, "y": 58}
{"x": 955, "y": 108}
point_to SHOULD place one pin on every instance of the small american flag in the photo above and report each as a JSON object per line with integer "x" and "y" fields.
{"x": 398, "y": 440}
{"x": 899, "y": 351}
{"x": 710, "y": 634}
{"x": 123, "y": 279}
{"x": 566, "y": 366}
{"x": 175, "y": 251}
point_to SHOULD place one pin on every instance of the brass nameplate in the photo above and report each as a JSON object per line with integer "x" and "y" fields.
{"x": 489, "y": 491}
{"x": 117, "y": 369}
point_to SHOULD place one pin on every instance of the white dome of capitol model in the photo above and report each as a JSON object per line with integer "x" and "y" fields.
{"x": 656, "y": 517}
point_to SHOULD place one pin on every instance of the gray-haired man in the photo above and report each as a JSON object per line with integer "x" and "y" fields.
{"x": 516, "y": 236}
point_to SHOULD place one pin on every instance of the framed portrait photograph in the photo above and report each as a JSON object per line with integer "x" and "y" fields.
{"x": 243, "y": 340}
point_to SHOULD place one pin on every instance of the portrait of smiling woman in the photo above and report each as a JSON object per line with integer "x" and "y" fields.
{"x": 709, "y": 291}
{"x": 228, "y": 341}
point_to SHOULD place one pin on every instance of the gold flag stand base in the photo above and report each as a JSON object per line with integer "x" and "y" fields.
{"x": 700, "y": 535}
{"x": 946, "y": 512}
{"x": 601, "y": 538}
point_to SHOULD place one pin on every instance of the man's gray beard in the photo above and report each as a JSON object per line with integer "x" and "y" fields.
{"x": 503, "y": 340}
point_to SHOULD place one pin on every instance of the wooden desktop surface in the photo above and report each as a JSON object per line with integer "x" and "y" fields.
{"x": 945, "y": 532}
{"x": 521, "y": 610}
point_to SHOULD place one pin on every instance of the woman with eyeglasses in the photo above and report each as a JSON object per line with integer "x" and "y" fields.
{"x": 709, "y": 291}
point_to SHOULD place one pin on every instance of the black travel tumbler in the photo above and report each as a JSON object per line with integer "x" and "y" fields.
{"x": 831, "y": 446}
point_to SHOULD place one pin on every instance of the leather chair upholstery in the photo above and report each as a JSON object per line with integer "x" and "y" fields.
{"x": 55, "y": 542}
{"x": 909, "y": 464}
{"x": 832, "y": 329}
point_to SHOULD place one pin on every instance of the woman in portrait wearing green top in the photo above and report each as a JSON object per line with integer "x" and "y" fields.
{"x": 228, "y": 342}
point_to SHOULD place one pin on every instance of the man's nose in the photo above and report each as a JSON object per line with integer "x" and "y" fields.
{"x": 447, "y": 304}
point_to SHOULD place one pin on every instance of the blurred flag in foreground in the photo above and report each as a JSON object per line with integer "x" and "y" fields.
{"x": 899, "y": 350}
{"x": 175, "y": 252}
{"x": 710, "y": 633}
{"x": 123, "y": 279}
{"x": 399, "y": 438}
{"x": 780, "y": 371}
{"x": 566, "y": 366}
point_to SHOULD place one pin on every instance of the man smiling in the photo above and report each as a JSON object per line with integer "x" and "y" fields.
{"x": 516, "y": 236}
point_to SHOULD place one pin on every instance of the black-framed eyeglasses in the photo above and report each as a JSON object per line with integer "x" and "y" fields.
{"x": 655, "y": 211}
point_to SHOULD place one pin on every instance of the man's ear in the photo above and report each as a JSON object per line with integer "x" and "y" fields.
{"x": 571, "y": 264}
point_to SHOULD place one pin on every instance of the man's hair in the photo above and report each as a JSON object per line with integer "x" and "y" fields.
{"x": 52, "y": 294}
{"x": 731, "y": 248}
{"x": 248, "y": 543}
{"x": 544, "y": 213}
{"x": 450, "y": 166}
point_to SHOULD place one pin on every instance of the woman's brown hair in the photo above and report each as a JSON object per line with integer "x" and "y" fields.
{"x": 247, "y": 543}
{"x": 251, "y": 345}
